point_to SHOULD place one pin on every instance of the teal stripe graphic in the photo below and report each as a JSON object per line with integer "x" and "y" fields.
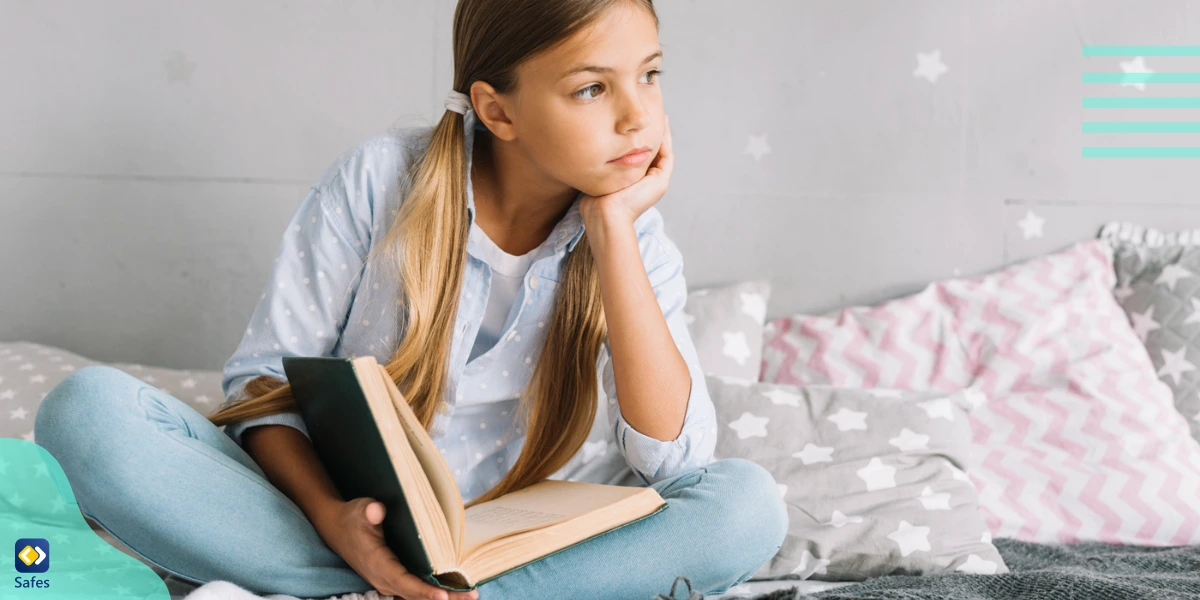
{"x": 1141, "y": 152}
{"x": 1141, "y": 50}
{"x": 1141, "y": 77}
{"x": 1141, "y": 102}
{"x": 1142, "y": 127}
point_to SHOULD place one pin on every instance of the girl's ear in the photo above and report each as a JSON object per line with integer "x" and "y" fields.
{"x": 491, "y": 109}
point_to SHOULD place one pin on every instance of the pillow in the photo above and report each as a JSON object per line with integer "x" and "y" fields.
{"x": 1158, "y": 287}
{"x": 28, "y": 371}
{"x": 873, "y": 479}
{"x": 1079, "y": 440}
{"x": 726, "y": 326}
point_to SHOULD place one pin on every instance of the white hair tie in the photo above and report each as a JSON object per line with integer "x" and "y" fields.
{"x": 458, "y": 102}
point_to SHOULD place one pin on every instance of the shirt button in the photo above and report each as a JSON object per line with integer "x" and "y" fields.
{"x": 512, "y": 333}
{"x": 443, "y": 408}
{"x": 533, "y": 281}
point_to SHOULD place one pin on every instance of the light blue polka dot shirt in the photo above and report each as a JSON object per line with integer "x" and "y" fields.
{"x": 323, "y": 299}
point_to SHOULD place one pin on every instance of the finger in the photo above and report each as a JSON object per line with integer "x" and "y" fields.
{"x": 669, "y": 146}
{"x": 375, "y": 511}
{"x": 410, "y": 585}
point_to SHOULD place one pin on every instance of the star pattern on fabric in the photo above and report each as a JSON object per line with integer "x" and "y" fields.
{"x": 940, "y": 408}
{"x": 908, "y": 440}
{"x": 910, "y": 538}
{"x": 736, "y": 346}
{"x": 1175, "y": 364}
{"x": 813, "y": 453}
{"x": 1194, "y": 316}
{"x": 877, "y": 475}
{"x": 837, "y": 519}
{"x": 977, "y": 565}
{"x": 1171, "y": 274}
{"x": 754, "y": 306}
{"x": 1143, "y": 322}
{"x": 749, "y": 425}
{"x": 782, "y": 397}
{"x": 847, "y": 419}
{"x": 810, "y": 565}
{"x": 932, "y": 501}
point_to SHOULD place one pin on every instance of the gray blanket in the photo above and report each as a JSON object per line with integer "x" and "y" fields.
{"x": 1090, "y": 570}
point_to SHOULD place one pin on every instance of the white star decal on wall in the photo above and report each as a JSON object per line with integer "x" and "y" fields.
{"x": 1171, "y": 274}
{"x": 910, "y": 538}
{"x": 930, "y": 66}
{"x": 1031, "y": 225}
{"x": 909, "y": 440}
{"x": 782, "y": 489}
{"x": 1175, "y": 364}
{"x": 847, "y": 419}
{"x": 749, "y": 425}
{"x": 877, "y": 475}
{"x": 813, "y": 453}
{"x": 757, "y": 146}
{"x": 1135, "y": 66}
{"x": 838, "y": 519}
{"x": 1143, "y": 322}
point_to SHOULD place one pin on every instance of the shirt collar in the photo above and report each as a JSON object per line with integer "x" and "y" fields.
{"x": 567, "y": 231}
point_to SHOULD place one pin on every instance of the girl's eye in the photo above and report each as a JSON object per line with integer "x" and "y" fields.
{"x": 581, "y": 93}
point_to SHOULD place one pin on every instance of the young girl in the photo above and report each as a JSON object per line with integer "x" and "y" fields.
{"x": 489, "y": 262}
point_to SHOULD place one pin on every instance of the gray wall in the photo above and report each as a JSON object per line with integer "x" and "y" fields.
{"x": 152, "y": 152}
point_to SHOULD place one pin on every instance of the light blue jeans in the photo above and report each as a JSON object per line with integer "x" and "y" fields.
{"x": 180, "y": 493}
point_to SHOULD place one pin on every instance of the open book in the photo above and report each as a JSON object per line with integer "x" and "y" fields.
{"x": 373, "y": 445}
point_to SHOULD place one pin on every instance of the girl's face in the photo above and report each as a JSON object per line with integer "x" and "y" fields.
{"x": 572, "y": 123}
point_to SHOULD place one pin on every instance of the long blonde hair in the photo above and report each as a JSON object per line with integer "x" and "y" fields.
{"x": 428, "y": 240}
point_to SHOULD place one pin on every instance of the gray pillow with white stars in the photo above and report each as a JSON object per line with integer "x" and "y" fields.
{"x": 726, "y": 324}
{"x": 28, "y": 371}
{"x": 873, "y": 479}
{"x": 1158, "y": 285}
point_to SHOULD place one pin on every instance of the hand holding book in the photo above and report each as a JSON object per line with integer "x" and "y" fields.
{"x": 358, "y": 539}
{"x": 375, "y": 449}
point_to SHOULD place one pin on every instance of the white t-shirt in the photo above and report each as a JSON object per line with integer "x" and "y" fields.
{"x": 508, "y": 273}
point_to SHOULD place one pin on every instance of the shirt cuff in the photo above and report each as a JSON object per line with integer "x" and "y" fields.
{"x": 291, "y": 419}
{"x": 655, "y": 460}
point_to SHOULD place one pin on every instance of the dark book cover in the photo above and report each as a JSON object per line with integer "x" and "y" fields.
{"x": 349, "y": 444}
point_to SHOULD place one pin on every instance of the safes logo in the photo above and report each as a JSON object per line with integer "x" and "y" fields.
{"x": 32, "y": 555}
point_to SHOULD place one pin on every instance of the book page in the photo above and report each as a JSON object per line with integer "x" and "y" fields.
{"x": 539, "y": 505}
{"x": 436, "y": 470}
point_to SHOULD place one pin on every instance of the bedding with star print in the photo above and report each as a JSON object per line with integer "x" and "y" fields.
{"x": 1158, "y": 286}
{"x": 875, "y": 480}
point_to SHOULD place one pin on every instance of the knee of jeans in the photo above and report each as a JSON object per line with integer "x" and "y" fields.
{"x": 762, "y": 517}
{"x": 70, "y": 408}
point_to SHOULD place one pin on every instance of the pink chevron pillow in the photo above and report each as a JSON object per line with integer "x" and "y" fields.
{"x": 1078, "y": 439}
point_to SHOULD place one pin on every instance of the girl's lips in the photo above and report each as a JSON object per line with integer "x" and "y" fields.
{"x": 630, "y": 160}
